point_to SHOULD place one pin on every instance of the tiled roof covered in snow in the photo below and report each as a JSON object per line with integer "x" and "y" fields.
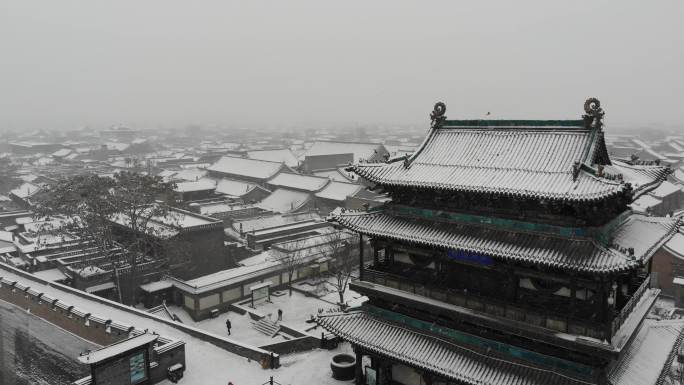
{"x": 260, "y": 223}
{"x": 339, "y": 191}
{"x": 26, "y": 190}
{"x": 665, "y": 189}
{"x": 644, "y": 203}
{"x": 235, "y": 188}
{"x": 443, "y": 357}
{"x": 648, "y": 358}
{"x": 336, "y": 174}
{"x": 243, "y": 167}
{"x": 642, "y": 178}
{"x": 299, "y": 182}
{"x": 283, "y": 155}
{"x": 200, "y": 185}
{"x": 284, "y": 201}
{"x": 519, "y": 158}
{"x": 190, "y": 174}
{"x": 361, "y": 151}
{"x": 583, "y": 254}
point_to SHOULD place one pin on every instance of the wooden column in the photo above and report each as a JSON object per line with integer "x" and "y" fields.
{"x": 513, "y": 281}
{"x": 376, "y": 259}
{"x": 573, "y": 296}
{"x": 361, "y": 257}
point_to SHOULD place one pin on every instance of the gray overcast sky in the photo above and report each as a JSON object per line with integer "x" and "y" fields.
{"x": 69, "y": 63}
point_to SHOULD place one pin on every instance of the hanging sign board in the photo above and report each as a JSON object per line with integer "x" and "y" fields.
{"x": 261, "y": 292}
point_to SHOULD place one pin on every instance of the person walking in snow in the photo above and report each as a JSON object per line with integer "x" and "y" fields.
{"x": 228, "y": 325}
{"x": 280, "y": 315}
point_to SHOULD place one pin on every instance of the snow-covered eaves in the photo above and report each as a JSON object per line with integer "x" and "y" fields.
{"x": 642, "y": 234}
{"x": 417, "y": 349}
{"x": 642, "y": 178}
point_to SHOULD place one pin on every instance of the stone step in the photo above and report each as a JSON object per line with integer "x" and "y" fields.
{"x": 267, "y": 327}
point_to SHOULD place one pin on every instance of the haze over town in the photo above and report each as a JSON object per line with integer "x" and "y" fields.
{"x": 70, "y": 64}
{"x": 336, "y": 193}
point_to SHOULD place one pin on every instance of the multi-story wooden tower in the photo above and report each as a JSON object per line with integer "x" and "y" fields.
{"x": 508, "y": 255}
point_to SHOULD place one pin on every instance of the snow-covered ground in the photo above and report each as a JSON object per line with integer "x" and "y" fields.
{"x": 207, "y": 364}
{"x": 241, "y": 329}
{"x": 297, "y": 309}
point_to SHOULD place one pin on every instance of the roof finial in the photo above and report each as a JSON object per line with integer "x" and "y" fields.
{"x": 437, "y": 115}
{"x": 575, "y": 170}
{"x": 594, "y": 113}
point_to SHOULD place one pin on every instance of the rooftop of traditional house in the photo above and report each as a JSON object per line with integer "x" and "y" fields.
{"x": 564, "y": 160}
{"x": 248, "y": 168}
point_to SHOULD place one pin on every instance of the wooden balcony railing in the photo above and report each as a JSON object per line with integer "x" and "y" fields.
{"x": 629, "y": 306}
{"x": 519, "y": 312}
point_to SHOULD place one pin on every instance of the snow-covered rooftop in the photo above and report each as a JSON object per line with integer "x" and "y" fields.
{"x": 273, "y": 220}
{"x": 26, "y": 190}
{"x": 644, "y": 202}
{"x": 359, "y": 150}
{"x": 676, "y": 245}
{"x": 648, "y": 354}
{"x": 338, "y": 191}
{"x": 299, "y": 182}
{"x": 61, "y": 153}
{"x": 169, "y": 225}
{"x": 666, "y": 188}
{"x": 117, "y": 348}
{"x": 51, "y": 274}
{"x": 227, "y": 277}
{"x": 283, "y": 155}
{"x": 252, "y": 168}
{"x": 200, "y": 185}
{"x": 337, "y": 175}
{"x": 284, "y": 200}
{"x": 191, "y": 174}
{"x": 234, "y": 188}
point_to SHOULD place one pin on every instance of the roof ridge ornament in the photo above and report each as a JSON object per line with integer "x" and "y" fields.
{"x": 594, "y": 113}
{"x": 437, "y": 115}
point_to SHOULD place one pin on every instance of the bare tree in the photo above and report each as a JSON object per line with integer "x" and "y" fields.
{"x": 124, "y": 210}
{"x": 292, "y": 258}
{"x": 85, "y": 200}
{"x": 147, "y": 222}
{"x": 340, "y": 245}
